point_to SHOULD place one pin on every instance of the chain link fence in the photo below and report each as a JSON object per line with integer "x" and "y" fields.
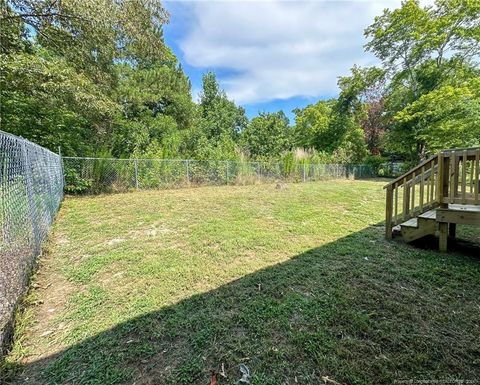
{"x": 31, "y": 189}
{"x": 33, "y": 179}
{"x": 104, "y": 175}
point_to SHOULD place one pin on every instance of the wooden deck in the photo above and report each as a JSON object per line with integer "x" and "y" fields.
{"x": 435, "y": 196}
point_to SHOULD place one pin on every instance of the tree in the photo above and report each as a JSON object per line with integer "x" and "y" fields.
{"x": 363, "y": 95}
{"x": 91, "y": 76}
{"x": 423, "y": 50}
{"x": 267, "y": 135}
{"x": 44, "y": 99}
{"x": 156, "y": 105}
{"x": 311, "y": 124}
{"x": 447, "y": 117}
{"x": 220, "y": 114}
{"x": 90, "y": 34}
{"x": 219, "y": 124}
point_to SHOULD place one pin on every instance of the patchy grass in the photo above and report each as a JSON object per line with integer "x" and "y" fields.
{"x": 160, "y": 287}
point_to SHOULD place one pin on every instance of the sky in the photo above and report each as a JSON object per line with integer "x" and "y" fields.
{"x": 272, "y": 55}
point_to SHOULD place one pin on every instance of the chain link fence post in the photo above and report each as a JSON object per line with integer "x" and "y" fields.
{"x": 135, "y": 164}
{"x": 187, "y": 170}
{"x": 226, "y": 171}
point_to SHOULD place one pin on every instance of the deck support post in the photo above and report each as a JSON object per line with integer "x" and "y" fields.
{"x": 443, "y": 241}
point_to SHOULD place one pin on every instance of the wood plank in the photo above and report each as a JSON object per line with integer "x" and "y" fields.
{"x": 464, "y": 207}
{"x": 388, "y": 213}
{"x": 424, "y": 227}
{"x": 470, "y": 151}
{"x": 396, "y": 204}
{"x": 442, "y": 183}
{"x": 422, "y": 188}
{"x": 413, "y": 193}
{"x": 470, "y": 200}
{"x": 432, "y": 181}
{"x": 451, "y": 177}
{"x": 464, "y": 176}
{"x": 477, "y": 176}
{"x": 472, "y": 179}
{"x": 430, "y": 214}
{"x": 463, "y": 217}
{"x": 413, "y": 222}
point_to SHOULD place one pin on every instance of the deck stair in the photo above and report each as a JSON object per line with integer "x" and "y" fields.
{"x": 434, "y": 196}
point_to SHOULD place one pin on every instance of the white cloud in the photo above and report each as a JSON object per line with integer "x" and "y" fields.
{"x": 279, "y": 49}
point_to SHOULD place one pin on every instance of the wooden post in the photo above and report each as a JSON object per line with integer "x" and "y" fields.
{"x": 443, "y": 242}
{"x": 388, "y": 213}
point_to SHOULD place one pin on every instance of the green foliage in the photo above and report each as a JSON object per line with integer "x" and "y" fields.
{"x": 74, "y": 183}
{"x": 312, "y": 123}
{"x": 429, "y": 54}
{"x": 218, "y": 126}
{"x": 46, "y": 100}
{"x": 331, "y": 128}
{"x": 447, "y": 117}
{"x": 375, "y": 162}
{"x": 93, "y": 34}
{"x": 267, "y": 135}
{"x": 96, "y": 76}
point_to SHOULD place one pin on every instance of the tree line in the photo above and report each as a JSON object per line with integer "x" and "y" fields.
{"x": 96, "y": 78}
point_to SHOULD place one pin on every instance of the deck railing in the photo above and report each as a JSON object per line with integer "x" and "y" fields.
{"x": 451, "y": 176}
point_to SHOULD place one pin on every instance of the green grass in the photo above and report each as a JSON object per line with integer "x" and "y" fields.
{"x": 160, "y": 287}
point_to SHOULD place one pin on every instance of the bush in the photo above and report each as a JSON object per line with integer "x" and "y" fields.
{"x": 74, "y": 183}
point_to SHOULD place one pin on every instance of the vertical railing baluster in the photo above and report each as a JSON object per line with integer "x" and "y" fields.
{"x": 406, "y": 198}
{"x": 413, "y": 193}
{"x": 477, "y": 176}
{"x": 396, "y": 202}
{"x": 432, "y": 181}
{"x": 464, "y": 177}
{"x": 453, "y": 177}
{"x": 470, "y": 182}
{"x": 388, "y": 213}
{"x": 422, "y": 187}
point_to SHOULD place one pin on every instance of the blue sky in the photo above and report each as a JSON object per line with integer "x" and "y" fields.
{"x": 272, "y": 55}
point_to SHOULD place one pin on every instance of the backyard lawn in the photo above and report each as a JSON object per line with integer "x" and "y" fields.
{"x": 298, "y": 284}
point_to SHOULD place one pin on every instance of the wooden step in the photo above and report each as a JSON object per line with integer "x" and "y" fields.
{"x": 416, "y": 228}
{"x": 427, "y": 223}
{"x": 430, "y": 214}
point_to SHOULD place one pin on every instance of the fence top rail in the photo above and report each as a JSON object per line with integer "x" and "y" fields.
{"x": 21, "y": 139}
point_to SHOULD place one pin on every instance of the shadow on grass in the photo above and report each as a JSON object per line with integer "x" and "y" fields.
{"x": 360, "y": 310}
